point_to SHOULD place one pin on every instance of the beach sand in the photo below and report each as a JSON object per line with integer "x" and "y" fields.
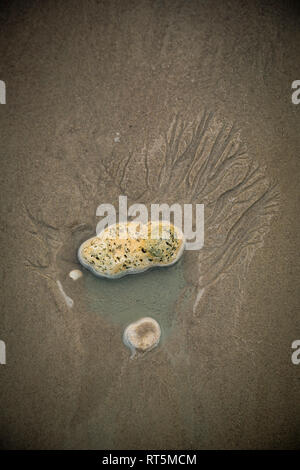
{"x": 102, "y": 99}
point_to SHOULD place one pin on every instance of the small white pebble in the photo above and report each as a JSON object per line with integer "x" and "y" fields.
{"x": 75, "y": 274}
{"x": 117, "y": 138}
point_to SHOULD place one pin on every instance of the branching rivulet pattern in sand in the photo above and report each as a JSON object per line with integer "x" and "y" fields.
{"x": 203, "y": 161}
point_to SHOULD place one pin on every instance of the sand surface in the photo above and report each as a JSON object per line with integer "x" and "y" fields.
{"x": 162, "y": 101}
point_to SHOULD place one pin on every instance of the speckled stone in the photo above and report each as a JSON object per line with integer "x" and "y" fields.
{"x": 131, "y": 248}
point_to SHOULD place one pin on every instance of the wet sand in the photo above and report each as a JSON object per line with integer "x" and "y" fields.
{"x": 164, "y": 102}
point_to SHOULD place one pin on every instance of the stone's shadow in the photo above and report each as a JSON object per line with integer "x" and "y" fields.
{"x": 125, "y": 300}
